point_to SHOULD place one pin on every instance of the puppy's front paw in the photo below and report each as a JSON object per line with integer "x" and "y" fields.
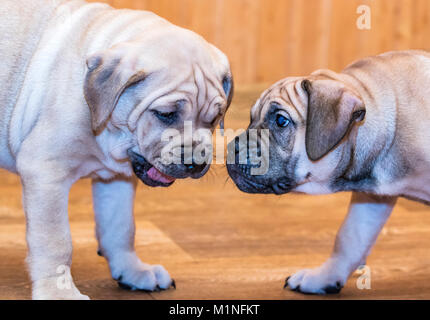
{"x": 49, "y": 289}
{"x": 321, "y": 280}
{"x": 144, "y": 277}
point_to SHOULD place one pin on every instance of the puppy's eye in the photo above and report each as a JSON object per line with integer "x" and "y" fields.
{"x": 282, "y": 121}
{"x": 227, "y": 84}
{"x": 166, "y": 117}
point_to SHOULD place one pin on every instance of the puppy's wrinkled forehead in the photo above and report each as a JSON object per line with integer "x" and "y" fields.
{"x": 204, "y": 90}
{"x": 196, "y": 89}
{"x": 197, "y": 83}
{"x": 286, "y": 93}
{"x": 205, "y": 69}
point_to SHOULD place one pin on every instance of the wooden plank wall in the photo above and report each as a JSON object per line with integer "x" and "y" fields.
{"x": 269, "y": 39}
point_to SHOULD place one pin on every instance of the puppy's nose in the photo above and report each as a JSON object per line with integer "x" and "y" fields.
{"x": 195, "y": 168}
{"x": 190, "y": 164}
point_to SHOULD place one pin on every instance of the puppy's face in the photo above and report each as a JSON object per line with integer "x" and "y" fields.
{"x": 170, "y": 90}
{"x": 308, "y": 121}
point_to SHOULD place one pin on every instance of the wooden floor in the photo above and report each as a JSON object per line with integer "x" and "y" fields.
{"x": 219, "y": 243}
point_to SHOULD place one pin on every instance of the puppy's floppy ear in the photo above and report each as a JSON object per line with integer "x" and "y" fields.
{"x": 108, "y": 75}
{"x": 228, "y": 86}
{"x": 332, "y": 111}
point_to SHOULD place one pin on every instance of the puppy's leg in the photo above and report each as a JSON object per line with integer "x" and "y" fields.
{"x": 113, "y": 205}
{"x": 45, "y": 198}
{"x": 366, "y": 217}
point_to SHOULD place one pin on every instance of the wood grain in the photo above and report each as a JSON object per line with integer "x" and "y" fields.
{"x": 267, "y": 40}
{"x": 219, "y": 243}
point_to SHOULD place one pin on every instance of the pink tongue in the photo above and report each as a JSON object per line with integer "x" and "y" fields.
{"x": 156, "y": 175}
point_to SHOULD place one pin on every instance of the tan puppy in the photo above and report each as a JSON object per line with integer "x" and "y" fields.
{"x": 365, "y": 130}
{"x": 88, "y": 91}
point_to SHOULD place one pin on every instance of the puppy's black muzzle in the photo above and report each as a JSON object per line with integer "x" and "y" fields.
{"x": 191, "y": 165}
{"x": 141, "y": 167}
{"x": 241, "y": 173}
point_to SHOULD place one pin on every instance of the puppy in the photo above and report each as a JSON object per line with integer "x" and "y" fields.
{"x": 87, "y": 91}
{"x": 363, "y": 130}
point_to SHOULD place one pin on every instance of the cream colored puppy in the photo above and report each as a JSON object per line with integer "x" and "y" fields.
{"x": 365, "y": 130}
{"x": 87, "y": 91}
